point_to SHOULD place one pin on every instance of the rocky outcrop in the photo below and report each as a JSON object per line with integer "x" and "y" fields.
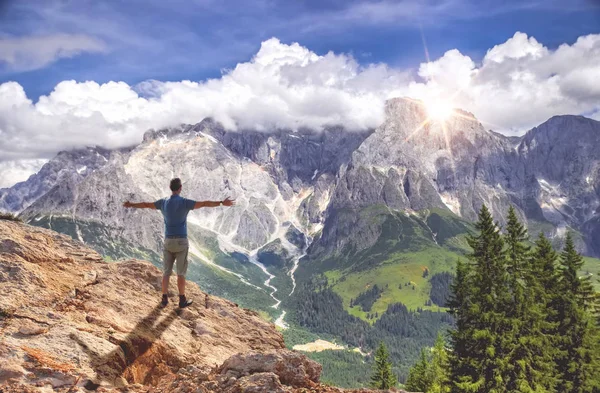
{"x": 71, "y": 322}
{"x": 271, "y": 372}
{"x": 69, "y": 318}
{"x": 291, "y": 368}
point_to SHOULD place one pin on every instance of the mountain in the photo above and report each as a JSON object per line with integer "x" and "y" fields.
{"x": 68, "y": 166}
{"x": 72, "y": 321}
{"x": 268, "y": 174}
{"x": 550, "y": 174}
{"x": 325, "y": 216}
{"x": 561, "y": 160}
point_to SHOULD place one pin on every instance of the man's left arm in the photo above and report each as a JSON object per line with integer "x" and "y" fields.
{"x": 140, "y": 205}
{"x": 200, "y": 204}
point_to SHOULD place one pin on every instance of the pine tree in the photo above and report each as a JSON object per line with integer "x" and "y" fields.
{"x": 438, "y": 370}
{"x": 526, "y": 348}
{"x": 383, "y": 377}
{"x": 430, "y": 373}
{"x": 478, "y": 364}
{"x": 576, "y": 365}
{"x": 461, "y": 367}
{"x": 544, "y": 278}
{"x": 418, "y": 377}
{"x": 545, "y": 269}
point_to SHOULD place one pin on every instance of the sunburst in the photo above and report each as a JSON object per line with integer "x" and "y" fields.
{"x": 439, "y": 110}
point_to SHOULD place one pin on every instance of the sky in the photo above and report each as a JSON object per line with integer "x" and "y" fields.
{"x": 75, "y": 73}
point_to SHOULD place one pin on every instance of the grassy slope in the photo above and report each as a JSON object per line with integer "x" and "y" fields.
{"x": 408, "y": 246}
{"x": 399, "y": 270}
{"x": 592, "y": 266}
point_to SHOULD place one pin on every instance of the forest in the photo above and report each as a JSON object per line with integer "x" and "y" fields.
{"x": 526, "y": 319}
{"x": 404, "y": 332}
{"x": 441, "y": 288}
{"x": 366, "y": 299}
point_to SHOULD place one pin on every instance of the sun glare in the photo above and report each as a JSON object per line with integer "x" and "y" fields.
{"x": 439, "y": 110}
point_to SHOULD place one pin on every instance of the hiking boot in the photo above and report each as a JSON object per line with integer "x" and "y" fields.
{"x": 183, "y": 302}
{"x": 164, "y": 302}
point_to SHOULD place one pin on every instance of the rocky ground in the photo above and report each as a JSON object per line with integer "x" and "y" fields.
{"x": 70, "y": 322}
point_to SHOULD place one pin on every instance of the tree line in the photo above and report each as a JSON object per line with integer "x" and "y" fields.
{"x": 525, "y": 320}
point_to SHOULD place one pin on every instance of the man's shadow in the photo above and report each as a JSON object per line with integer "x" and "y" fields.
{"x": 110, "y": 367}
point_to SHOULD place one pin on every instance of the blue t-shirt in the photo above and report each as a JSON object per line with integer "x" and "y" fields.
{"x": 175, "y": 210}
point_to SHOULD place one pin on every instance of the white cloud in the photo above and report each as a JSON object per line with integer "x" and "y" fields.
{"x": 519, "y": 83}
{"x": 282, "y": 86}
{"x": 516, "y": 86}
{"x": 517, "y": 47}
{"x": 12, "y": 172}
{"x": 32, "y": 52}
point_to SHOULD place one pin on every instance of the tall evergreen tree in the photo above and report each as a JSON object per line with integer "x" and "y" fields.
{"x": 478, "y": 363}
{"x": 576, "y": 365}
{"x": 430, "y": 373}
{"x": 530, "y": 364}
{"x": 545, "y": 277}
{"x": 383, "y": 377}
{"x": 545, "y": 270}
{"x": 438, "y": 369}
{"x": 418, "y": 377}
{"x": 545, "y": 274}
{"x": 461, "y": 365}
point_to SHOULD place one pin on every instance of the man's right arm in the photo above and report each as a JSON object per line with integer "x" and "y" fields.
{"x": 140, "y": 205}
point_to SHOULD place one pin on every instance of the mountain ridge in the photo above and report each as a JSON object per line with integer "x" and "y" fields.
{"x": 296, "y": 181}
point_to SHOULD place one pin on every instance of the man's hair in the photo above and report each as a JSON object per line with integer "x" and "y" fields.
{"x": 175, "y": 184}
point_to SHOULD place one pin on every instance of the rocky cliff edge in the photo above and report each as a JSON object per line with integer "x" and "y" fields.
{"x": 71, "y": 322}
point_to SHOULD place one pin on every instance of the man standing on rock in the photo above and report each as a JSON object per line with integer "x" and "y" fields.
{"x": 175, "y": 210}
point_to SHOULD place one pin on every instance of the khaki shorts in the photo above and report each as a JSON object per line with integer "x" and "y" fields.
{"x": 175, "y": 250}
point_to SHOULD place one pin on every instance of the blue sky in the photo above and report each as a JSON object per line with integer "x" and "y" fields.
{"x": 75, "y": 73}
{"x": 196, "y": 39}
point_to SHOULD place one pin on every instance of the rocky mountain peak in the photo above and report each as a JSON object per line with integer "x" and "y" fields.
{"x": 69, "y": 165}
{"x": 83, "y": 153}
{"x": 563, "y": 153}
{"x": 180, "y": 131}
{"x": 69, "y": 320}
{"x": 568, "y": 134}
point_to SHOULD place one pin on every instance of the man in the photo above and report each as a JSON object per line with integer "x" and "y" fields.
{"x": 175, "y": 210}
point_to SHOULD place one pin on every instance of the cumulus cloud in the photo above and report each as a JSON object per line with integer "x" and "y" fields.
{"x": 16, "y": 171}
{"x": 517, "y": 85}
{"x": 281, "y": 86}
{"x": 29, "y": 53}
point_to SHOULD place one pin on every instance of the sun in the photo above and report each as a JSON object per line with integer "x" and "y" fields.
{"x": 439, "y": 110}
